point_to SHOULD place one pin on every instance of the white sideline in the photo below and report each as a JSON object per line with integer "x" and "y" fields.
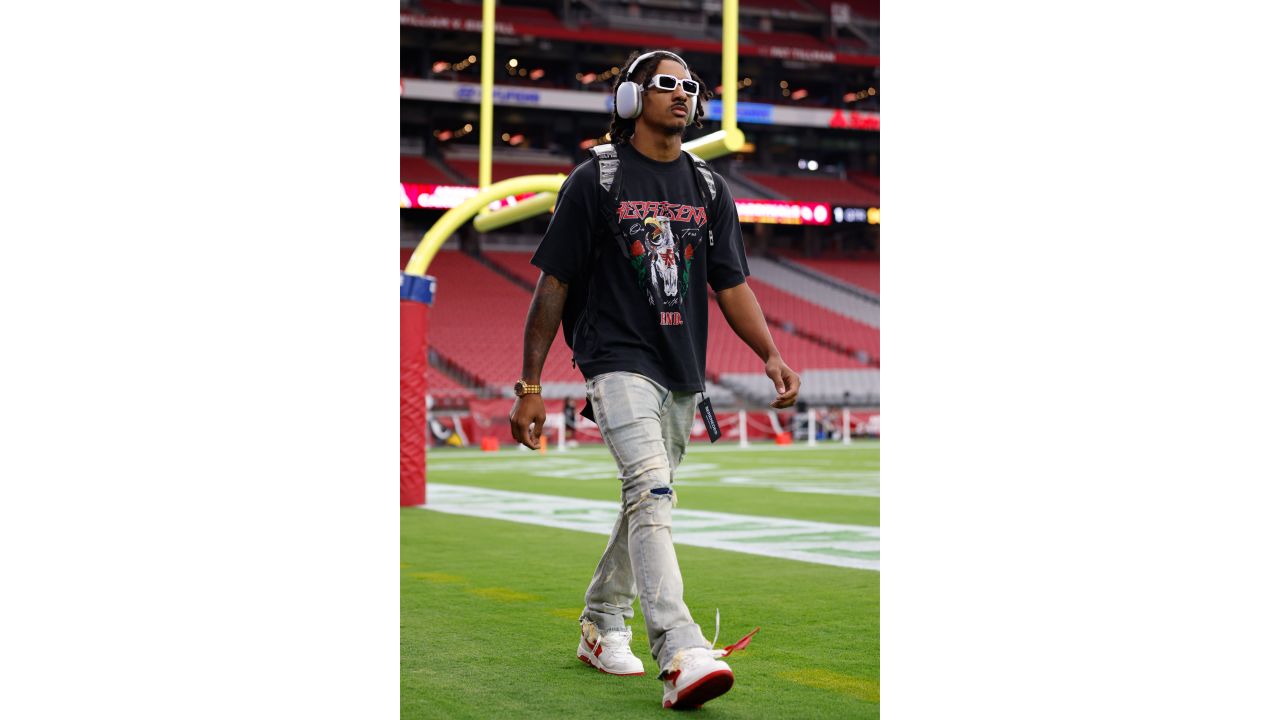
{"x": 849, "y": 546}
{"x": 702, "y": 446}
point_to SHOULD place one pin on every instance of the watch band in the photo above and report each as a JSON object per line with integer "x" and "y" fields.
{"x": 523, "y": 388}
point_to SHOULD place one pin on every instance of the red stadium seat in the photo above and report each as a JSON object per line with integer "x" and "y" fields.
{"x": 785, "y": 39}
{"x": 816, "y": 321}
{"x": 506, "y": 170}
{"x": 415, "y": 169}
{"x": 503, "y": 12}
{"x": 515, "y": 262}
{"x": 862, "y": 273}
{"x": 818, "y": 189}
{"x": 467, "y": 330}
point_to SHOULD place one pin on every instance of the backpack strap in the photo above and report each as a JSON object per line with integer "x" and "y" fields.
{"x": 705, "y": 171}
{"x": 606, "y": 157}
{"x": 706, "y": 190}
{"x": 607, "y": 160}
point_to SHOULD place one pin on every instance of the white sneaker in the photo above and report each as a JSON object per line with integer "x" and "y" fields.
{"x": 608, "y": 653}
{"x": 696, "y": 675}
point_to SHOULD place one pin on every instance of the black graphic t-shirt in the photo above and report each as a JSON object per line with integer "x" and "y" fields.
{"x": 646, "y": 308}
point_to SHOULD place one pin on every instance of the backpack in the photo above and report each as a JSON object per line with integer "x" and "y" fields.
{"x": 577, "y": 305}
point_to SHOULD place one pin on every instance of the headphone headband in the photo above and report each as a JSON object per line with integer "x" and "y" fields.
{"x": 678, "y": 59}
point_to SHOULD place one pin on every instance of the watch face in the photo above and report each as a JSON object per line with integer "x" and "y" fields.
{"x": 519, "y": 387}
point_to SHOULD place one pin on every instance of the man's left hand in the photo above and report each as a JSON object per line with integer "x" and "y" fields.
{"x": 785, "y": 380}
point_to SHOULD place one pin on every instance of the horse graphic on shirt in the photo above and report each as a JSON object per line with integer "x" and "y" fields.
{"x": 660, "y": 243}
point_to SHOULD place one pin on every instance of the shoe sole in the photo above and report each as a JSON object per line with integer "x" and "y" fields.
{"x": 587, "y": 660}
{"x": 703, "y": 690}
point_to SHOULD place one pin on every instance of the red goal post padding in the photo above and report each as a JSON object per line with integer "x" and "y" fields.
{"x": 416, "y": 295}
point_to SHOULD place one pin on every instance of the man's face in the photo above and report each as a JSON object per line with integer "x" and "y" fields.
{"x": 666, "y": 111}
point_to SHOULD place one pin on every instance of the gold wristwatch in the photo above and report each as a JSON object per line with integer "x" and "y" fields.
{"x": 523, "y": 388}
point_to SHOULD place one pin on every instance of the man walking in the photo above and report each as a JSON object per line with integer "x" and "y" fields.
{"x": 638, "y": 232}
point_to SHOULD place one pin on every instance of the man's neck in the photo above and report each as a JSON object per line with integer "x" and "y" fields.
{"x": 656, "y": 146}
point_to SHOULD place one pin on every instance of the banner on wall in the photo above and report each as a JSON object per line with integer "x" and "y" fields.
{"x": 602, "y": 102}
{"x": 774, "y": 212}
{"x": 445, "y": 197}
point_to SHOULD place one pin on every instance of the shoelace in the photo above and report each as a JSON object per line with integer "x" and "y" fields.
{"x": 617, "y": 641}
{"x": 727, "y": 650}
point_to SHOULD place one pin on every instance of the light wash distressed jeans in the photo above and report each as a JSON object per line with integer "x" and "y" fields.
{"x": 646, "y": 428}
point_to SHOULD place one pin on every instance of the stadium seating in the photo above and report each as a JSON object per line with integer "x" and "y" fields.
{"x": 470, "y": 169}
{"x": 815, "y": 320}
{"x": 869, "y": 9}
{"x": 816, "y": 188}
{"x": 868, "y": 180}
{"x": 778, "y": 304}
{"x": 441, "y": 385}
{"x": 503, "y": 12}
{"x": 864, "y": 274}
{"x": 844, "y": 302}
{"x": 516, "y": 262}
{"x": 785, "y": 39}
{"x": 818, "y": 387}
{"x": 726, "y": 353}
{"x": 416, "y": 169}
{"x": 783, "y": 6}
{"x": 478, "y": 323}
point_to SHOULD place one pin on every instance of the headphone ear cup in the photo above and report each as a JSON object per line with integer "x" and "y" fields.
{"x": 693, "y": 110}
{"x": 627, "y": 100}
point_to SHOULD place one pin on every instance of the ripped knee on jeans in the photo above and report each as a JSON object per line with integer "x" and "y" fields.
{"x": 652, "y": 494}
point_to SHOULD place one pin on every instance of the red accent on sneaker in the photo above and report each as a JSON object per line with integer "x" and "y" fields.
{"x": 745, "y": 641}
{"x": 599, "y": 649}
{"x": 705, "y": 689}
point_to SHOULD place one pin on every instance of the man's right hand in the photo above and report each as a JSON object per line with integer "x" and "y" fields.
{"x": 527, "y": 417}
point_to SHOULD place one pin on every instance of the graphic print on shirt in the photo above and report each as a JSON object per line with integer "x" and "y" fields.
{"x": 657, "y": 250}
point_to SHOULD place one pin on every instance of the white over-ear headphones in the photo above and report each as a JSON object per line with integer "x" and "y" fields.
{"x": 627, "y": 101}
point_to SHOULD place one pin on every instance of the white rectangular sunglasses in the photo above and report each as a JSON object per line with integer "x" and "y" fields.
{"x": 668, "y": 83}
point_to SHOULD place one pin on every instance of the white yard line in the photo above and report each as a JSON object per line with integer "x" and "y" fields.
{"x": 695, "y": 448}
{"x": 850, "y": 546}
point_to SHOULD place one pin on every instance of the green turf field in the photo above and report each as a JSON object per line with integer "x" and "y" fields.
{"x": 489, "y": 607}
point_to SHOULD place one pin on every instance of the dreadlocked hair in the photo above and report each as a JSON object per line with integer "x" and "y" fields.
{"x": 621, "y": 129}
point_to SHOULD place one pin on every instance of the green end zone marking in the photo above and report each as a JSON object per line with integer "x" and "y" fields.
{"x": 851, "y": 546}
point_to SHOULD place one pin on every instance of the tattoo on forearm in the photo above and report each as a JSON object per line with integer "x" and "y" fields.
{"x": 542, "y": 323}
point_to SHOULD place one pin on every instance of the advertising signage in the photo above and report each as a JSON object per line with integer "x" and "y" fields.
{"x": 602, "y": 102}
{"x": 871, "y": 216}
{"x": 783, "y": 212}
{"x": 445, "y": 197}
{"x": 774, "y": 212}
